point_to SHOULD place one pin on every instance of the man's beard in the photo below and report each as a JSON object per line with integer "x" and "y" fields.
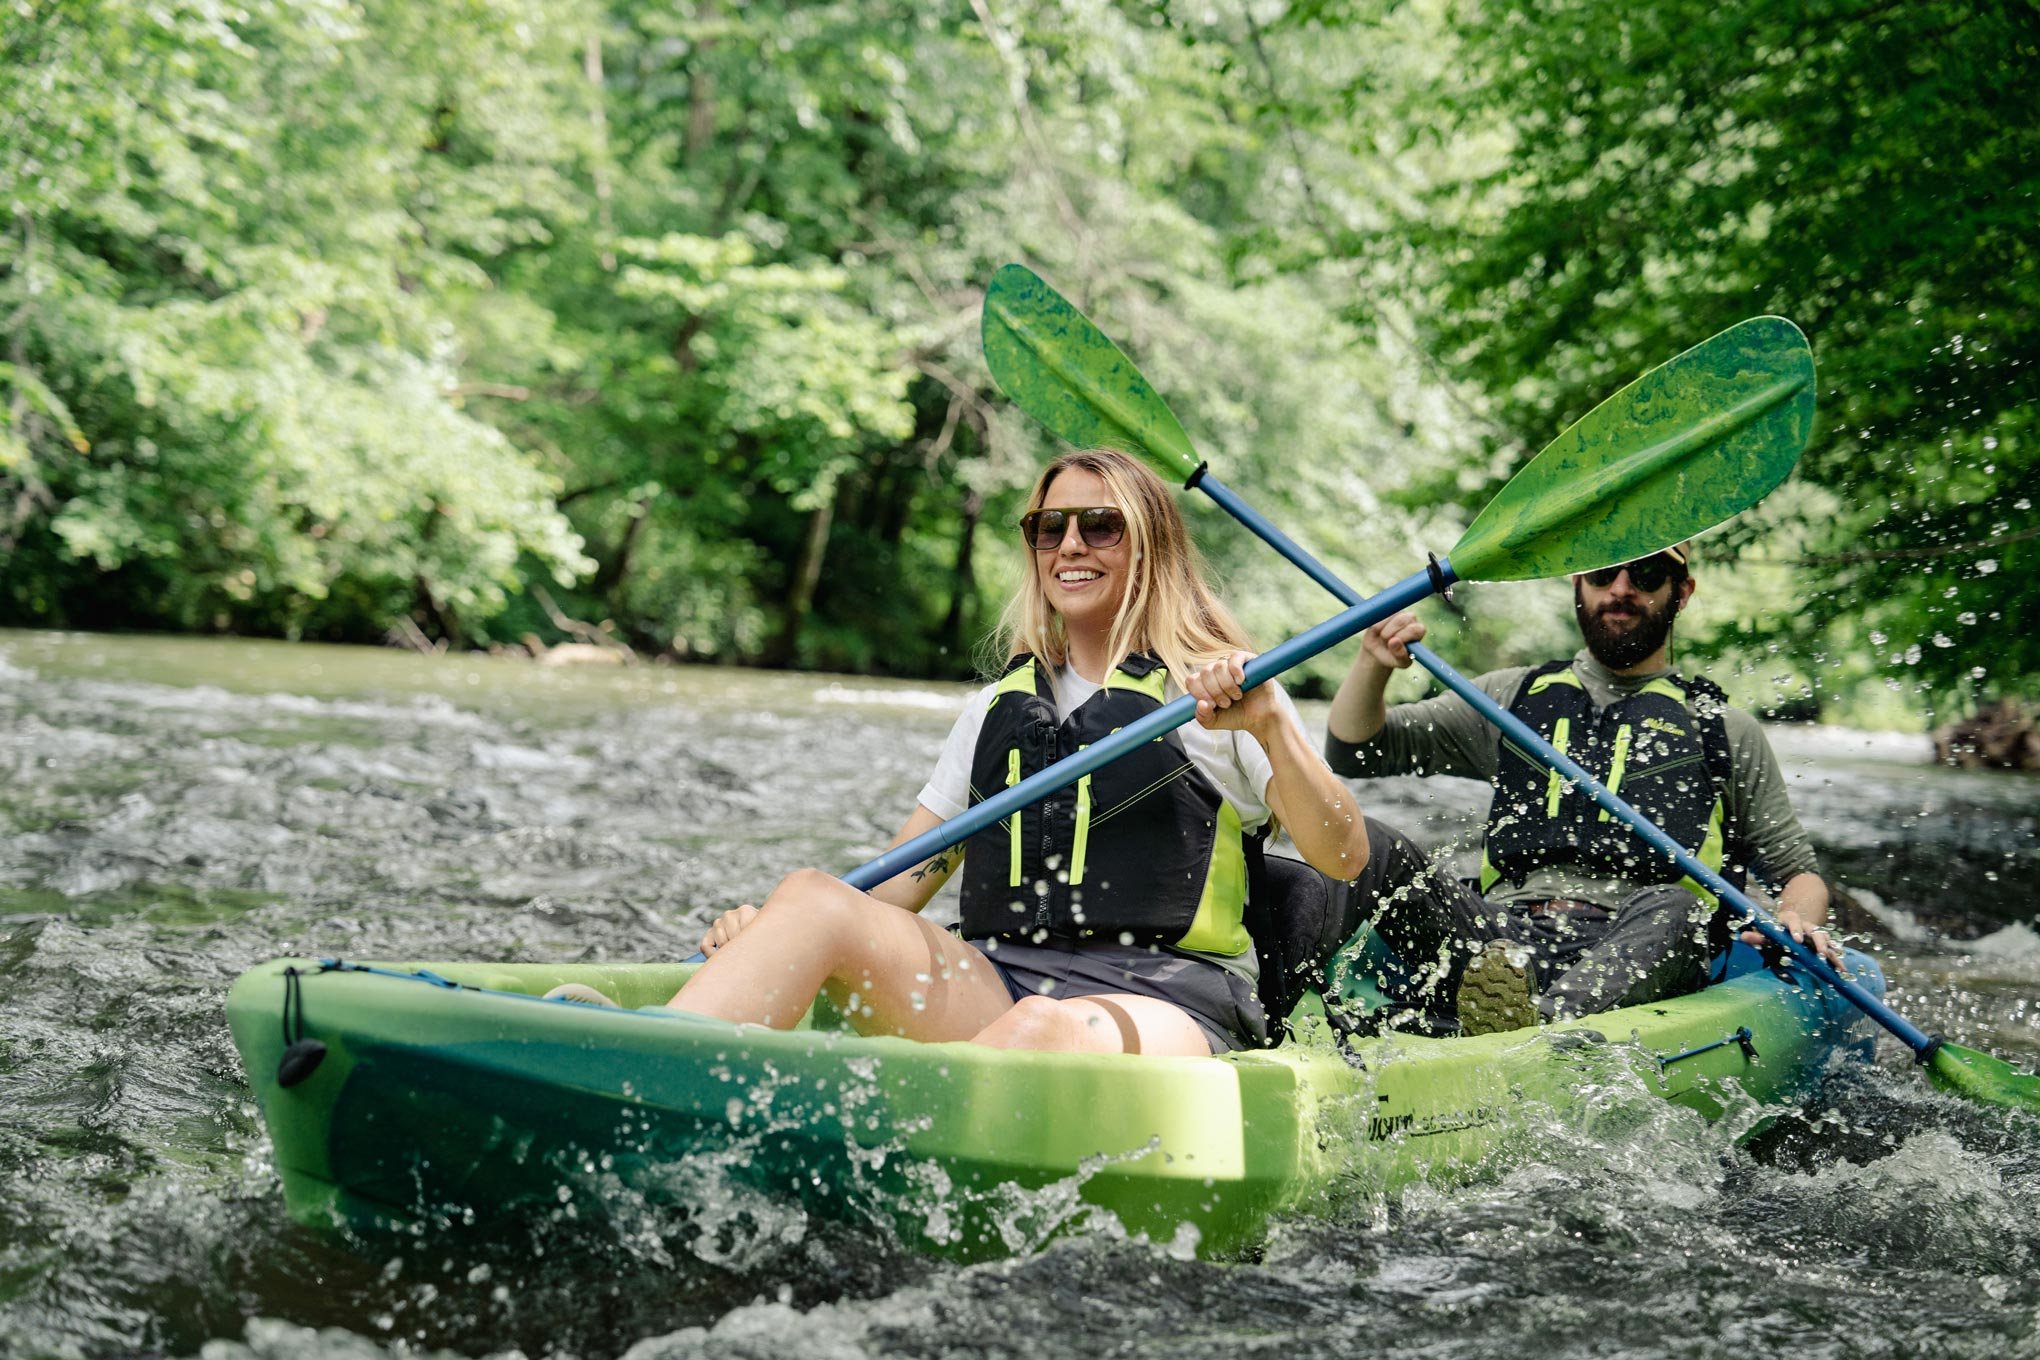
{"x": 1620, "y": 643}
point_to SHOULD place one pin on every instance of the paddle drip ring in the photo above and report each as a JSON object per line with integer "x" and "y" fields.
{"x": 1439, "y": 585}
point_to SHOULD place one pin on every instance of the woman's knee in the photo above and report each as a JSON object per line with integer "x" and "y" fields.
{"x": 855, "y": 934}
{"x": 814, "y": 914}
{"x": 804, "y": 885}
{"x": 1036, "y": 1022}
{"x": 818, "y": 900}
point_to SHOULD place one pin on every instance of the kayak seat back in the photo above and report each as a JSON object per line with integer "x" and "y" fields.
{"x": 1298, "y": 920}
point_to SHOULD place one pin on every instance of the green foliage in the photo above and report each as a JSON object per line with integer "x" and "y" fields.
{"x": 1866, "y": 168}
{"x": 324, "y": 317}
{"x": 762, "y": 381}
{"x": 228, "y": 370}
{"x": 319, "y": 317}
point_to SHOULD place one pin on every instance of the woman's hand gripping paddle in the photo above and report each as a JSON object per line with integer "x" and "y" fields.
{"x": 1682, "y": 448}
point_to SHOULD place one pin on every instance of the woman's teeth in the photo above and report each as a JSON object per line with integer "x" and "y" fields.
{"x": 1072, "y": 576}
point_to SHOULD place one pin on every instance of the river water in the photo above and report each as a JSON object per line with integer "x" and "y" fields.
{"x": 173, "y": 811}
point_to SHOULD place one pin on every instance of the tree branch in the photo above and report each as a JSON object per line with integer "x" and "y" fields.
{"x": 506, "y": 391}
{"x": 585, "y": 632}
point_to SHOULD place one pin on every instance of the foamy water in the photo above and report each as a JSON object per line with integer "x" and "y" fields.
{"x": 178, "y": 810}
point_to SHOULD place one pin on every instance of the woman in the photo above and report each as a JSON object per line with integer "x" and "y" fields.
{"x": 1107, "y": 918}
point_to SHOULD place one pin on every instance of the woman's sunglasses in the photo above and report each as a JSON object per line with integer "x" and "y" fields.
{"x": 1101, "y": 526}
{"x": 1646, "y": 573}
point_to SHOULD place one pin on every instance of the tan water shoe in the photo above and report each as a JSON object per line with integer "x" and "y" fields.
{"x": 1496, "y": 994}
{"x": 581, "y": 992}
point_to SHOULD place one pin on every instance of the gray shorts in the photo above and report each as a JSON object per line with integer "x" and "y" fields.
{"x": 1223, "y": 1003}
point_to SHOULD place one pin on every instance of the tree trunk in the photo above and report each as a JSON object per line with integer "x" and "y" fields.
{"x": 598, "y": 117}
{"x": 807, "y": 574}
{"x": 426, "y": 606}
{"x": 609, "y": 573}
{"x": 894, "y": 502}
{"x": 965, "y": 585}
{"x": 701, "y": 90}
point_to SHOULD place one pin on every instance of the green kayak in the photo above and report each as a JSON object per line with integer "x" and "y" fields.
{"x": 401, "y": 1093}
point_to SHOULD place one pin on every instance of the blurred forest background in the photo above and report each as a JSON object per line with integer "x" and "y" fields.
{"x": 324, "y": 318}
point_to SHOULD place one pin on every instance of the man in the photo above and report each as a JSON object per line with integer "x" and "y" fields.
{"x": 1574, "y": 914}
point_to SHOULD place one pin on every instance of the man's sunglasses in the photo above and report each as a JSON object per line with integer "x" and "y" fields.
{"x": 1101, "y": 526}
{"x": 1645, "y": 573}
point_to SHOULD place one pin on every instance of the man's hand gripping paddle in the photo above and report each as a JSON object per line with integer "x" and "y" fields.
{"x": 1686, "y": 446}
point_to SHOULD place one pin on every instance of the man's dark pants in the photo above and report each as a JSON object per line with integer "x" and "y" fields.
{"x": 1584, "y": 958}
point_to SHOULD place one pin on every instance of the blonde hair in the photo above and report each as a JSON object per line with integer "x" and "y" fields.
{"x": 1168, "y": 608}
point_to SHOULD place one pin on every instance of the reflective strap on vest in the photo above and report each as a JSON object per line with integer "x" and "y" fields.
{"x": 1083, "y": 837}
{"x": 1019, "y": 680}
{"x": 1564, "y": 677}
{"x": 1012, "y": 778}
{"x": 1618, "y": 764}
{"x": 1155, "y": 684}
{"x": 1670, "y": 691}
{"x": 1561, "y": 734}
{"x": 1709, "y": 854}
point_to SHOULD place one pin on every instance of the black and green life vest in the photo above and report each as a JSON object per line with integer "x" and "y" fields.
{"x": 1664, "y": 749}
{"x": 1145, "y": 847}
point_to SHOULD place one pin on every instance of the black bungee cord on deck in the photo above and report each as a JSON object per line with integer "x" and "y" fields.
{"x": 301, "y": 1056}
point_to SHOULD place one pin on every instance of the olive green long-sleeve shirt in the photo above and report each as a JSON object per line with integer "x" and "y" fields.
{"x": 1447, "y": 735}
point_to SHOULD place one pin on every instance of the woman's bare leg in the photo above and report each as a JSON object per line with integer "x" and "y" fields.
{"x": 1098, "y": 1024}
{"x": 895, "y": 972}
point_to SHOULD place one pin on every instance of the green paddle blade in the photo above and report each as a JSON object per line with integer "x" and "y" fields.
{"x": 1684, "y": 447}
{"x": 1062, "y": 370}
{"x": 1979, "y": 1076}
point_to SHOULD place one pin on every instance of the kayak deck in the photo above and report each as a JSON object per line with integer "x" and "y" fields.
{"x": 453, "y": 1092}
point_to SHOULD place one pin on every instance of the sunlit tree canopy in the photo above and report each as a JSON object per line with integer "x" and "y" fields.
{"x": 321, "y": 318}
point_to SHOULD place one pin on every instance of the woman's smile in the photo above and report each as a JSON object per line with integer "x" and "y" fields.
{"x": 1076, "y": 578}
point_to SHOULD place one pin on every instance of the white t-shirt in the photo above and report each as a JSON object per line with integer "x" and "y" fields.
{"x": 1231, "y": 760}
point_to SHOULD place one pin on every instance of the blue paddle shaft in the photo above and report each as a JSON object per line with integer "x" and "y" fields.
{"x": 1521, "y": 734}
{"x": 1361, "y": 615}
{"x": 1274, "y": 537}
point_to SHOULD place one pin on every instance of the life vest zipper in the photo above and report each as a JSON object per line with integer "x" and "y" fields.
{"x": 1042, "y": 909}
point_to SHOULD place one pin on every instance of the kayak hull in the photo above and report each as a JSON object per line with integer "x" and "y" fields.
{"x": 466, "y": 1098}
